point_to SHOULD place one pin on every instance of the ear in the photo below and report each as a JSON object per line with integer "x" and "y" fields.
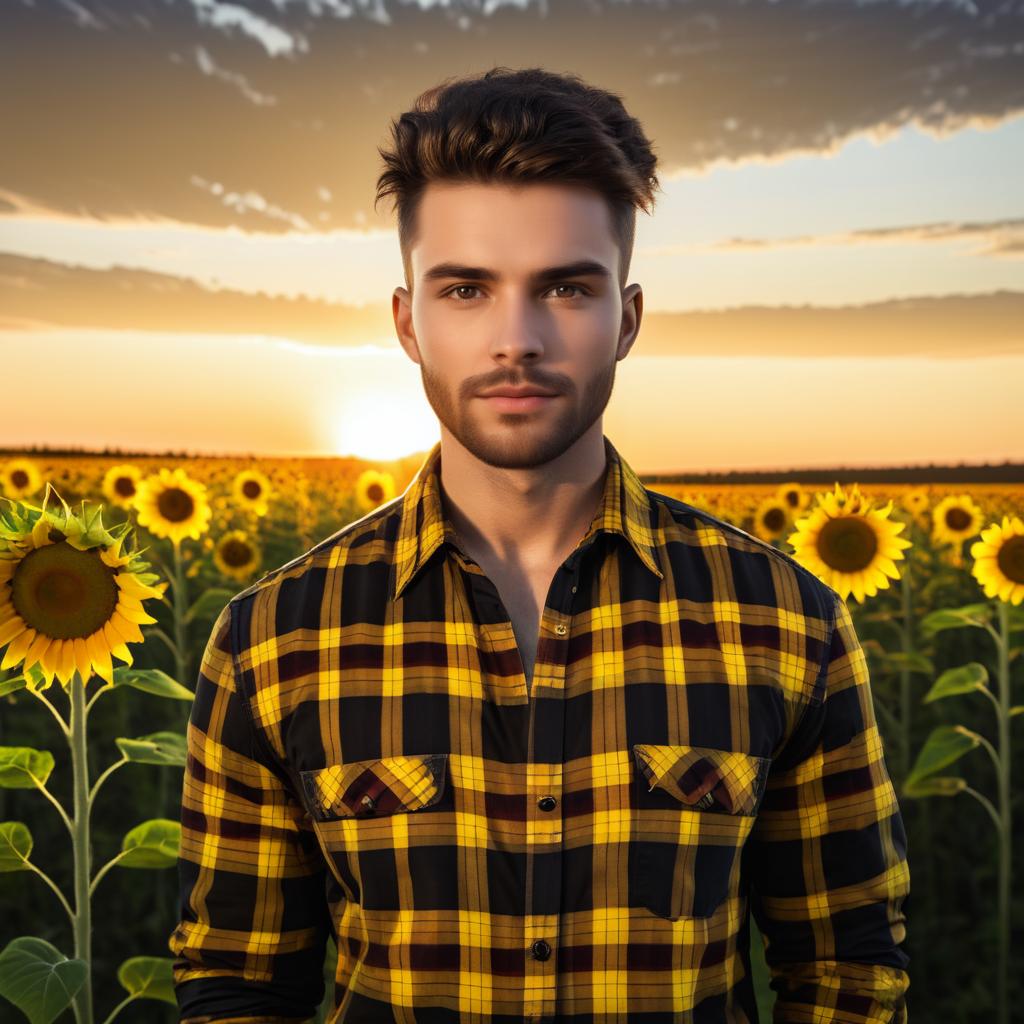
{"x": 632, "y": 313}
{"x": 401, "y": 310}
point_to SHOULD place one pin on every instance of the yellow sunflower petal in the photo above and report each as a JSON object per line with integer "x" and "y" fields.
{"x": 101, "y": 657}
{"x": 67, "y": 662}
{"x": 83, "y": 662}
{"x": 11, "y": 628}
{"x": 129, "y": 632}
{"x": 17, "y": 648}
{"x": 136, "y": 615}
{"x": 115, "y": 643}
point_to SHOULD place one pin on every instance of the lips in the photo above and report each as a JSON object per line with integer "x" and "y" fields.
{"x": 517, "y": 393}
{"x": 522, "y": 403}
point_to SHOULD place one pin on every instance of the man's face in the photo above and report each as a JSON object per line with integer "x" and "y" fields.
{"x": 505, "y": 324}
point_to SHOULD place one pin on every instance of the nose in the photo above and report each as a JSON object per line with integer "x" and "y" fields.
{"x": 517, "y": 334}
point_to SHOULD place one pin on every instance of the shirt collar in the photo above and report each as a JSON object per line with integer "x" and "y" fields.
{"x": 624, "y": 509}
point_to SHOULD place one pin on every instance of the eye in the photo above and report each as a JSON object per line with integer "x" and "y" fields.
{"x": 472, "y": 287}
{"x": 579, "y": 290}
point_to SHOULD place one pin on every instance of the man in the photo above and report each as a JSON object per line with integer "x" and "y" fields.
{"x": 532, "y": 740}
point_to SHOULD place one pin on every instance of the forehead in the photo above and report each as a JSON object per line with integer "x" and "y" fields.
{"x": 508, "y": 225}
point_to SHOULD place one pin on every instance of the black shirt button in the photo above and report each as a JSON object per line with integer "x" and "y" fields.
{"x": 540, "y": 950}
{"x": 547, "y": 803}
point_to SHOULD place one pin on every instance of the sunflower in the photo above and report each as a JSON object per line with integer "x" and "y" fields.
{"x": 236, "y": 555}
{"x": 999, "y": 560}
{"x": 771, "y": 518}
{"x": 793, "y": 496}
{"x": 172, "y": 504}
{"x": 251, "y": 489}
{"x": 954, "y": 520}
{"x": 120, "y": 484}
{"x": 915, "y": 500}
{"x": 19, "y": 478}
{"x": 849, "y": 545}
{"x": 373, "y": 488}
{"x": 70, "y": 594}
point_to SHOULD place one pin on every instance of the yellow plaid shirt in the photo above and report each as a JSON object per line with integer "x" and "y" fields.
{"x": 698, "y": 743}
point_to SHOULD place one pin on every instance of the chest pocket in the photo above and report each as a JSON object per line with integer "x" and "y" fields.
{"x": 694, "y": 808}
{"x": 363, "y": 814}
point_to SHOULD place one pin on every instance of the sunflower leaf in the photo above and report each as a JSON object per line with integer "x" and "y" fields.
{"x": 19, "y": 766}
{"x": 911, "y": 660}
{"x": 965, "y": 679}
{"x": 153, "y": 844}
{"x": 38, "y": 978}
{"x": 210, "y": 603}
{"x": 939, "y": 785}
{"x": 951, "y": 618}
{"x": 151, "y": 680}
{"x": 12, "y": 685}
{"x": 148, "y": 977}
{"x": 15, "y": 846}
{"x": 156, "y": 748}
{"x": 946, "y": 744}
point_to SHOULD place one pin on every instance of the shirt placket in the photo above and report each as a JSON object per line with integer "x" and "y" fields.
{"x": 544, "y": 781}
{"x": 544, "y": 759}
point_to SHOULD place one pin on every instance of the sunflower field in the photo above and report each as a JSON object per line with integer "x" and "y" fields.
{"x": 113, "y": 570}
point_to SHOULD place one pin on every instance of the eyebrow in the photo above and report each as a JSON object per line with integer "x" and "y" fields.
{"x": 580, "y": 268}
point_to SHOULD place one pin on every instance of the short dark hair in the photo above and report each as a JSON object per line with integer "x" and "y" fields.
{"x": 518, "y": 126}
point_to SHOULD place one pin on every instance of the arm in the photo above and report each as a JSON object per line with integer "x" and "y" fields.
{"x": 249, "y": 946}
{"x": 827, "y": 856}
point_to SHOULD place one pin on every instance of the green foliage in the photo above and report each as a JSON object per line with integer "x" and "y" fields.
{"x": 946, "y": 744}
{"x": 148, "y": 977}
{"x": 157, "y": 748}
{"x": 209, "y": 604}
{"x": 15, "y": 846}
{"x": 39, "y": 979}
{"x": 24, "y": 768}
{"x": 151, "y": 680}
{"x": 153, "y": 844}
{"x": 965, "y": 679}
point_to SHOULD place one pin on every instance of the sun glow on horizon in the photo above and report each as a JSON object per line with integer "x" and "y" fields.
{"x": 379, "y": 425}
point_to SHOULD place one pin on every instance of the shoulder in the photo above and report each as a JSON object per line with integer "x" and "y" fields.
{"x": 759, "y": 572}
{"x": 293, "y": 593}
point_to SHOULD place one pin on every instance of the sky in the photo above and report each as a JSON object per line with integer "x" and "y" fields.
{"x": 833, "y": 271}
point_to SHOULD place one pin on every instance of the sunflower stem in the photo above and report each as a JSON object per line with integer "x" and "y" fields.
{"x": 81, "y": 845}
{"x": 106, "y": 867}
{"x": 171, "y": 645}
{"x": 1006, "y": 838}
{"x": 163, "y": 892}
{"x": 56, "y": 803}
{"x": 105, "y": 688}
{"x": 53, "y": 885}
{"x": 120, "y": 1006}
{"x": 987, "y": 804}
{"x": 103, "y": 778}
{"x": 180, "y": 610}
{"x": 53, "y": 711}
{"x": 907, "y": 646}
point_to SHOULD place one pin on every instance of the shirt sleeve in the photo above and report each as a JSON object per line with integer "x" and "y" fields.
{"x": 827, "y": 857}
{"x": 249, "y": 945}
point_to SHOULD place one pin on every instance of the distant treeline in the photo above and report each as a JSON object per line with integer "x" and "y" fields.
{"x": 1002, "y": 472}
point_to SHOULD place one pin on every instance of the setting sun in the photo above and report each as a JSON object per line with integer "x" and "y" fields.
{"x": 381, "y": 425}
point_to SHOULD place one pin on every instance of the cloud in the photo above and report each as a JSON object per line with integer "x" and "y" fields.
{"x": 121, "y": 107}
{"x": 998, "y": 238}
{"x": 209, "y": 67}
{"x": 42, "y": 294}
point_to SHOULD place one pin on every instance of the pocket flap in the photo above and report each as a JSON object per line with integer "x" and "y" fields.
{"x": 379, "y": 786}
{"x": 706, "y": 778}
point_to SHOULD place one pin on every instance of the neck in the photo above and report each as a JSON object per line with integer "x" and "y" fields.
{"x": 527, "y": 519}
